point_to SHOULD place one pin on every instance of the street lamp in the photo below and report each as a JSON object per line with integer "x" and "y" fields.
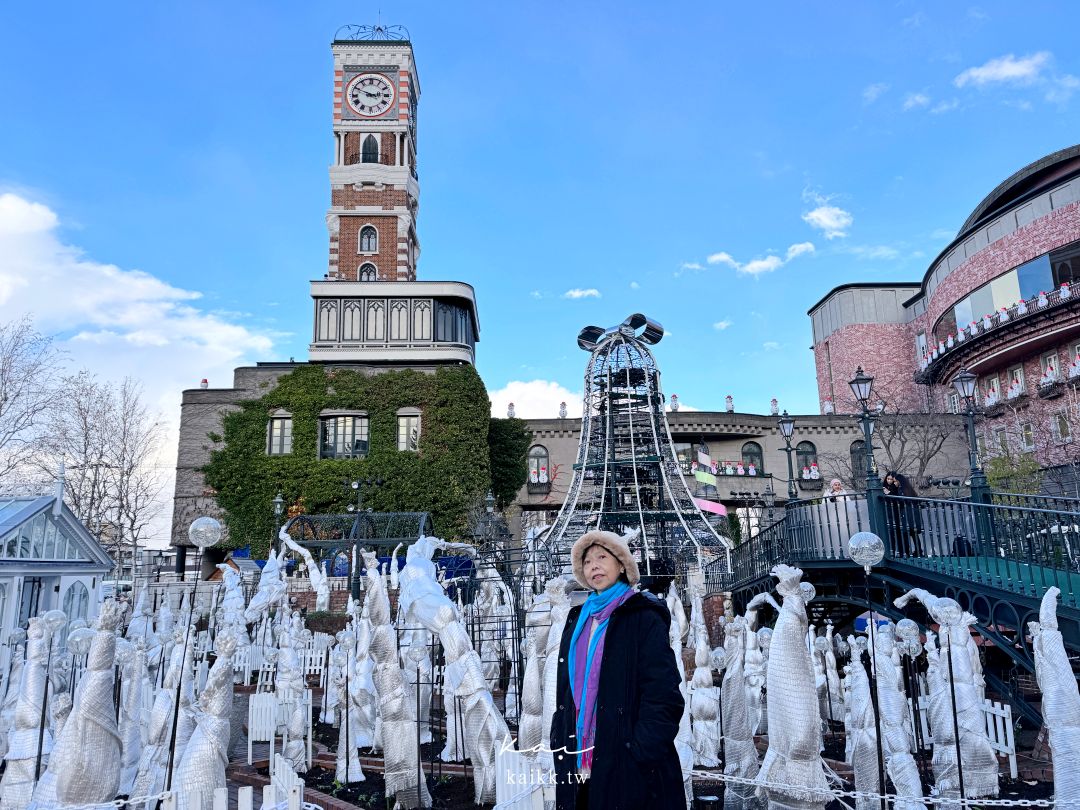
{"x": 358, "y": 486}
{"x": 770, "y": 500}
{"x": 787, "y": 428}
{"x": 964, "y": 383}
{"x": 861, "y": 386}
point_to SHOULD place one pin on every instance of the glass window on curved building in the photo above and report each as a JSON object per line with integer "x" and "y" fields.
{"x": 1024, "y": 282}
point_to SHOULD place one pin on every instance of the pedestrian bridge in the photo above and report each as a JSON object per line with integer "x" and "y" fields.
{"x": 996, "y": 559}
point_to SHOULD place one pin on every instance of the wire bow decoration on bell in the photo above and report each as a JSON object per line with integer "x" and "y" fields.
{"x": 637, "y": 326}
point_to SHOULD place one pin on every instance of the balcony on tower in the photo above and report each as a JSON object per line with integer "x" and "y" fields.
{"x": 394, "y": 322}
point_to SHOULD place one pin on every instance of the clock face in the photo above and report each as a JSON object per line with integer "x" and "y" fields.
{"x": 370, "y": 94}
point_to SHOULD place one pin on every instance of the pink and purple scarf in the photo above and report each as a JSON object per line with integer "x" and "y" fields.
{"x": 586, "y": 655}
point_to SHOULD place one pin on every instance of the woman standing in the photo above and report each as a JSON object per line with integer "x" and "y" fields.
{"x": 905, "y": 522}
{"x": 619, "y": 704}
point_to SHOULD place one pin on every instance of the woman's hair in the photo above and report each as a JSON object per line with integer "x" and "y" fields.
{"x": 903, "y": 484}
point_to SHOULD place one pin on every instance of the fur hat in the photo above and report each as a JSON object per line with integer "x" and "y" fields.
{"x": 617, "y": 546}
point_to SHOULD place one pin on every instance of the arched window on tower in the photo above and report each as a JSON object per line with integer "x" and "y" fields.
{"x": 368, "y": 272}
{"x": 369, "y": 239}
{"x": 370, "y": 151}
{"x": 539, "y": 470}
{"x": 751, "y": 454}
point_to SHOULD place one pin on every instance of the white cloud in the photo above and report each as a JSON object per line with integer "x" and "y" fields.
{"x": 117, "y": 322}
{"x": 770, "y": 346}
{"x": 577, "y": 292}
{"x": 945, "y": 106}
{"x": 913, "y": 101}
{"x": 914, "y": 21}
{"x": 536, "y": 294}
{"x": 691, "y": 266}
{"x": 832, "y": 220}
{"x": 1007, "y": 69}
{"x": 634, "y": 285}
{"x": 1061, "y": 88}
{"x": 798, "y": 249}
{"x": 720, "y": 326}
{"x": 535, "y": 399}
{"x": 765, "y": 264}
{"x": 873, "y": 92}
{"x": 722, "y": 258}
{"x": 871, "y": 251}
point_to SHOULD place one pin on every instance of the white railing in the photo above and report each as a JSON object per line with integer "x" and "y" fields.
{"x": 999, "y": 728}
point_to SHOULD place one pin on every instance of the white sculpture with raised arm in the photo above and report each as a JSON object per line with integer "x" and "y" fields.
{"x": 978, "y": 757}
{"x": 1060, "y": 701}
{"x": 794, "y": 755}
{"x": 319, "y": 582}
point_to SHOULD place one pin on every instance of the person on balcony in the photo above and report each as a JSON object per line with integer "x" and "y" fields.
{"x": 905, "y": 522}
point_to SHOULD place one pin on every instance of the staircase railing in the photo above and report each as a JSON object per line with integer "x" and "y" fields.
{"x": 1018, "y": 549}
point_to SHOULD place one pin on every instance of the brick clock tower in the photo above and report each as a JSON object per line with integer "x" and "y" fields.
{"x": 375, "y": 193}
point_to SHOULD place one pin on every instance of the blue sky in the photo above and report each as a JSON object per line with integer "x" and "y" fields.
{"x": 163, "y": 173}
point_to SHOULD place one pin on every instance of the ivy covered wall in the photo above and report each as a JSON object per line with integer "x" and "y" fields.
{"x": 449, "y": 474}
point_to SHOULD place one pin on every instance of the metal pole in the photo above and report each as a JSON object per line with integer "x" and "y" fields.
{"x": 792, "y": 493}
{"x": 874, "y": 693}
{"x": 419, "y": 764}
{"x": 955, "y": 719}
{"x": 41, "y": 722}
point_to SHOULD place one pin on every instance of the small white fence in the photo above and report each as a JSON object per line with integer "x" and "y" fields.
{"x": 999, "y": 728}
{"x": 519, "y": 781}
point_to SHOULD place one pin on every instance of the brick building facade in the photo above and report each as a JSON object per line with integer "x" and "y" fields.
{"x": 1001, "y": 301}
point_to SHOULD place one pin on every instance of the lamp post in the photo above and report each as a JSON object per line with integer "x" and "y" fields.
{"x": 867, "y": 550}
{"x": 358, "y": 486}
{"x": 861, "y": 386}
{"x": 965, "y": 383}
{"x": 787, "y": 428}
{"x": 770, "y": 501}
{"x": 279, "y": 510}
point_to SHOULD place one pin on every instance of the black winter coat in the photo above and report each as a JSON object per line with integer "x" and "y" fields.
{"x": 638, "y": 709}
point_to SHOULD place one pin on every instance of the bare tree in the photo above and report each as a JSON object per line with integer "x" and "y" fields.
{"x": 911, "y": 435}
{"x": 29, "y": 368}
{"x": 107, "y": 439}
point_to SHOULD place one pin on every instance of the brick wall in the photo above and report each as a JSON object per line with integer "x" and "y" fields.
{"x": 884, "y": 350}
{"x": 349, "y": 260}
{"x": 353, "y": 196}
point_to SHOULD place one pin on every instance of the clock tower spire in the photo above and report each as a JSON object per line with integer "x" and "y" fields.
{"x": 374, "y": 189}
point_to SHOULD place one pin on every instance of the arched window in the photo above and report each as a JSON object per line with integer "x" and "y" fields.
{"x": 539, "y": 469}
{"x": 369, "y": 239}
{"x": 805, "y": 456}
{"x": 751, "y": 454}
{"x": 76, "y": 601}
{"x": 369, "y": 153}
{"x": 368, "y": 272}
{"x": 858, "y": 459}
